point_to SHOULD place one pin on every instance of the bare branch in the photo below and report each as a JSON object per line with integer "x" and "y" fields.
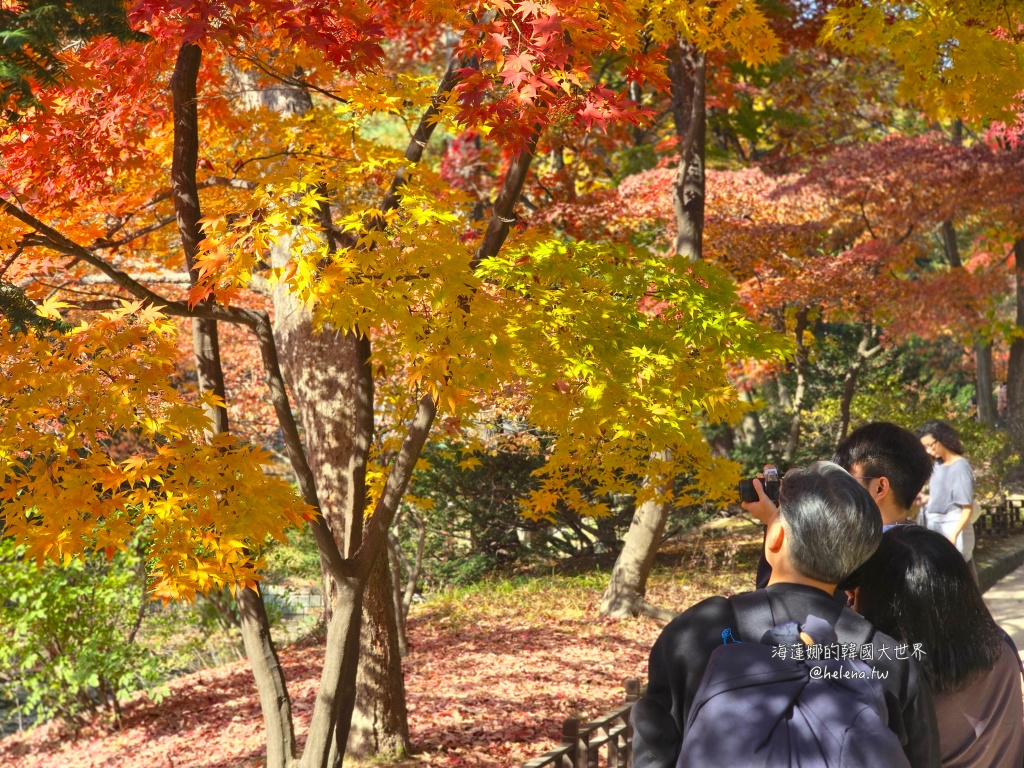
{"x": 158, "y": 224}
{"x": 394, "y": 488}
{"x": 294, "y": 82}
{"x": 53, "y": 239}
{"x": 9, "y": 261}
{"x": 503, "y": 212}
{"x": 169, "y": 278}
{"x": 419, "y": 140}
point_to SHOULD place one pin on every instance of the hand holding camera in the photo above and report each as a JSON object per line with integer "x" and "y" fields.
{"x": 760, "y": 495}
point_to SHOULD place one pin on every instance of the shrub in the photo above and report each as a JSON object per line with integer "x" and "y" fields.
{"x": 68, "y": 634}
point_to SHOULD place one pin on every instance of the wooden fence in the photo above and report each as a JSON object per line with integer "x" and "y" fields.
{"x": 1001, "y": 518}
{"x": 606, "y": 741}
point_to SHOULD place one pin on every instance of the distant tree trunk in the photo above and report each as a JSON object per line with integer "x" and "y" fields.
{"x": 986, "y": 382}
{"x": 866, "y": 349}
{"x": 724, "y": 442}
{"x": 404, "y": 591}
{"x": 395, "y": 559}
{"x": 686, "y": 69}
{"x": 1015, "y": 370}
{"x": 982, "y": 349}
{"x": 751, "y": 431}
{"x": 275, "y": 703}
{"x": 800, "y": 366}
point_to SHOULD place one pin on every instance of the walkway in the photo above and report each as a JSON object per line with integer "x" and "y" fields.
{"x": 1006, "y": 601}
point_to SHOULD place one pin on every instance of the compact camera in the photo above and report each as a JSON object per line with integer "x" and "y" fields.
{"x": 770, "y": 483}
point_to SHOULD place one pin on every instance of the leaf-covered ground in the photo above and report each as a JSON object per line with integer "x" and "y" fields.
{"x": 493, "y": 672}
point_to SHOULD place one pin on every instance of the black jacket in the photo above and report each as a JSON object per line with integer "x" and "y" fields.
{"x": 681, "y": 653}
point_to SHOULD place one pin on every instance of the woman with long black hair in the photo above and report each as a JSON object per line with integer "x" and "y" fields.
{"x": 917, "y": 589}
{"x": 950, "y": 506}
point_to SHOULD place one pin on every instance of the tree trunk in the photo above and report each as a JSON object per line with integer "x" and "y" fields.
{"x": 337, "y": 691}
{"x": 686, "y": 69}
{"x": 986, "y": 382}
{"x": 405, "y": 590}
{"x": 332, "y": 714}
{"x": 751, "y": 430}
{"x": 864, "y": 353}
{"x": 982, "y": 349}
{"x": 255, "y": 626}
{"x": 266, "y": 669}
{"x": 329, "y": 375}
{"x": 627, "y": 587}
{"x": 1015, "y": 369}
{"x": 379, "y": 721}
{"x": 185, "y": 193}
{"x": 800, "y": 365}
{"x": 394, "y": 560}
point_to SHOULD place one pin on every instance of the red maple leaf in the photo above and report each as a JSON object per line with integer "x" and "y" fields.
{"x": 518, "y": 68}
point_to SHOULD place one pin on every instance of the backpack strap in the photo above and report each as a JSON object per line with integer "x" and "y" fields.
{"x": 753, "y": 612}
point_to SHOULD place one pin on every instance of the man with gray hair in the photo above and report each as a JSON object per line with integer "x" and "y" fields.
{"x": 827, "y": 525}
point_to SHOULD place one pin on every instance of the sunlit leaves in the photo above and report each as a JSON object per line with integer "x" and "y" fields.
{"x": 622, "y": 353}
{"x": 960, "y": 60}
{"x": 738, "y": 25}
{"x": 205, "y": 507}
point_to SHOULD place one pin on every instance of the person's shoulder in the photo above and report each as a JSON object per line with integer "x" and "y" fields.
{"x": 710, "y": 612}
{"x": 961, "y": 466}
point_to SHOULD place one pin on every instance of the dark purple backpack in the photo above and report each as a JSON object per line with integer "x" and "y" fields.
{"x": 755, "y": 709}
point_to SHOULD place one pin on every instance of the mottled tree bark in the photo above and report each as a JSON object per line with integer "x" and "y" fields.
{"x": 686, "y": 70}
{"x": 379, "y": 721}
{"x": 329, "y": 375}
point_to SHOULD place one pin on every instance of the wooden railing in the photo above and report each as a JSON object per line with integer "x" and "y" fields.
{"x": 606, "y": 741}
{"x": 1001, "y": 518}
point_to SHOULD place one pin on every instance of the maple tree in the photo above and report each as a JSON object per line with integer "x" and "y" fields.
{"x": 374, "y": 266}
{"x": 375, "y": 284}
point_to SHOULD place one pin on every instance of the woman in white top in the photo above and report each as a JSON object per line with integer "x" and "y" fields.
{"x": 950, "y": 504}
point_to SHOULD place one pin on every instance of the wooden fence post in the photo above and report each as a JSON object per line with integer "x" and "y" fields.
{"x": 632, "y": 686}
{"x": 571, "y": 736}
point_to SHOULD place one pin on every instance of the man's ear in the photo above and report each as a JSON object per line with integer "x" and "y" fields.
{"x": 852, "y": 597}
{"x": 884, "y": 488}
{"x": 775, "y": 536}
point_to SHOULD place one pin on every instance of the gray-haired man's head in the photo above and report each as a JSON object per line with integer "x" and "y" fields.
{"x": 832, "y": 524}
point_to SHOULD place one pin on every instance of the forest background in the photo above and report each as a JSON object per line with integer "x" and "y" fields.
{"x": 395, "y": 296}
